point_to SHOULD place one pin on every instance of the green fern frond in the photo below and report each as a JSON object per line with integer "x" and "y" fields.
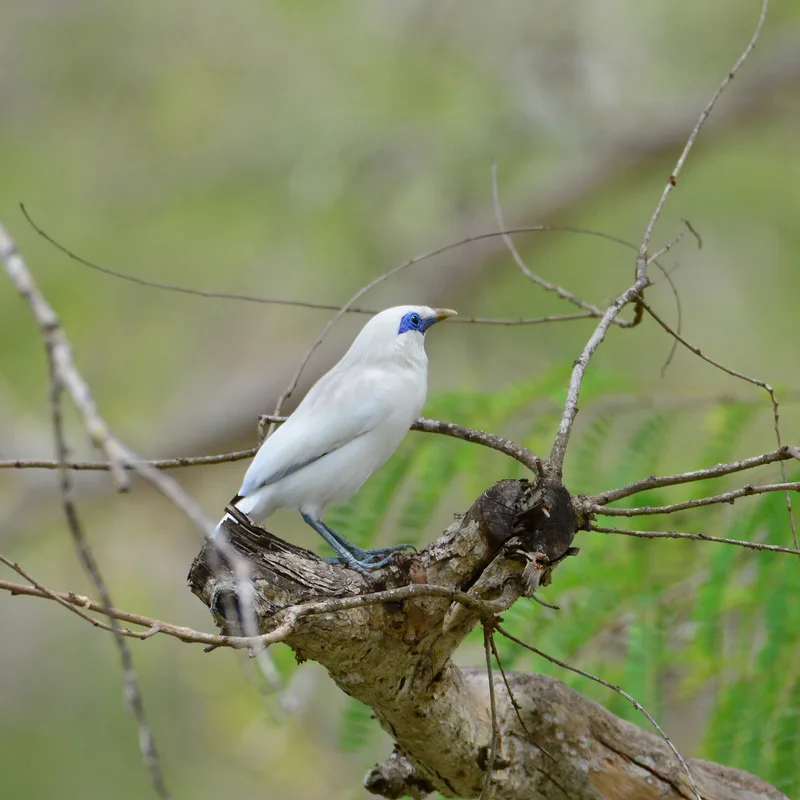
{"x": 356, "y": 726}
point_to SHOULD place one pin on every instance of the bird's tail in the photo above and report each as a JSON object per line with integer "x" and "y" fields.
{"x": 227, "y": 515}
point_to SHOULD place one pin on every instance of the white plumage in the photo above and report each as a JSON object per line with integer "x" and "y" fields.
{"x": 346, "y": 427}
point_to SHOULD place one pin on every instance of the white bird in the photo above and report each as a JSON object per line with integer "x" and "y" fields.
{"x": 345, "y": 428}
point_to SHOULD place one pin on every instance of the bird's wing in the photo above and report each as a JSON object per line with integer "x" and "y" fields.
{"x": 341, "y": 406}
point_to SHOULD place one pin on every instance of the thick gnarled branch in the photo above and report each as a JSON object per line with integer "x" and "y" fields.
{"x": 396, "y": 657}
{"x": 594, "y": 754}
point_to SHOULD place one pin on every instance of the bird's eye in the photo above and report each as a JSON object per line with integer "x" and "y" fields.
{"x": 415, "y": 319}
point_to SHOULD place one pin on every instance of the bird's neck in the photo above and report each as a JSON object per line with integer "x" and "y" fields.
{"x": 403, "y": 354}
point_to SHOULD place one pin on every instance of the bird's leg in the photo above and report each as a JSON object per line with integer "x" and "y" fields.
{"x": 360, "y": 560}
{"x": 383, "y": 554}
{"x": 344, "y": 554}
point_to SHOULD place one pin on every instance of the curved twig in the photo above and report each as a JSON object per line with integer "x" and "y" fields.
{"x": 702, "y": 537}
{"x": 621, "y": 692}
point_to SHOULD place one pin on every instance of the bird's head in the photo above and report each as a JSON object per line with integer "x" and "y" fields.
{"x": 401, "y": 329}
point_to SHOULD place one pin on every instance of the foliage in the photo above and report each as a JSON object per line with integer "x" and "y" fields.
{"x": 674, "y": 623}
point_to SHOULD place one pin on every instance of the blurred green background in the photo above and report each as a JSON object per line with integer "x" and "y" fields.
{"x": 298, "y": 150}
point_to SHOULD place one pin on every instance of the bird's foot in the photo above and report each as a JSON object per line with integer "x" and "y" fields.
{"x": 371, "y": 559}
{"x": 356, "y": 558}
{"x": 384, "y": 552}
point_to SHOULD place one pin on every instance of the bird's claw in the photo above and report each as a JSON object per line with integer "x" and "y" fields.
{"x": 364, "y": 560}
{"x": 382, "y": 551}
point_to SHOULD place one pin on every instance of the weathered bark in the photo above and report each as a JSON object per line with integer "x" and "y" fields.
{"x": 396, "y": 658}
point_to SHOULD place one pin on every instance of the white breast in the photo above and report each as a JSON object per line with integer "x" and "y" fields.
{"x": 400, "y": 394}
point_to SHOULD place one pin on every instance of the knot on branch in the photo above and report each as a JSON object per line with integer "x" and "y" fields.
{"x": 397, "y": 777}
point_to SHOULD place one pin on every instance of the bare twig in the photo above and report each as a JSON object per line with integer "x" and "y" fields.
{"x": 638, "y": 706}
{"x": 64, "y": 375}
{"x": 685, "y": 225}
{"x": 61, "y": 354}
{"x": 749, "y": 379}
{"x": 492, "y": 754}
{"x": 491, "y": 440}
{"x": 133, "y": 694}
{"x": 532, "y": 276}
{"x": 559, "y": 450}
{"x": 590, "y": 312}
{"x": 287, "y": 617}
{"x": 642, "y": 259}
{"x": 513, "y": 700}
{"x": 698, "y": 536}
{"x": 642, "y": 281}
{"x": 75, "y": 609}
{"x": 423, "y": 424}
{"x": 510, "y": 322}
{"x": 104, "y": 466}
{"x": 725, "y": 497}
{"x": 718, "y": 470}
{"x": 119, "y": 455}
{"x": 679, "y": 308}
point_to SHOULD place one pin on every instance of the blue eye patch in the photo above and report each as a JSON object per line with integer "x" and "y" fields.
{"x": 412, "y": 321}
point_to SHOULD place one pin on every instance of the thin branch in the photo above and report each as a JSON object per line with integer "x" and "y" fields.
{"x": 698, "y": 352}
{"x": 679, "y": 308}
{"x": 698, "y": 536}
{"x": 44, "y": 591}
{"x": 492, "y": 754}
{"x": 104, "y": 466}
{"x": 64, "y": 375}
{"x": 564, "y": 294}
{"x": 532, "y": 276}
{"x": 559, "y": 451}
{"x": 756, "y": 382}
{"x": 523, "y": 320}
{"x": 423, "y": 424}
{"x": 491, "y": 440}
{"x": 119, "y": 455}
{"x": 683, "y": 227}
{"x": 288, "y": 617}
{"x": 642, "y": 260}
{"x": 725, "y": 497}
{"x": 350, "y": 309}
{"x": 638, "y": 706}
{"x": 133, "y": 694}
{"x": 514, "y": 704}
{"x": 61, "y": 355}
{"x": 718, "y": 470}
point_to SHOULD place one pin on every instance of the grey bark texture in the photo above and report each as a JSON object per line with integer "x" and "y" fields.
{"x": 396, "y": 657}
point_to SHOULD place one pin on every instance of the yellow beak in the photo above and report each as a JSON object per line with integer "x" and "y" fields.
{"x": 444, "y": 313}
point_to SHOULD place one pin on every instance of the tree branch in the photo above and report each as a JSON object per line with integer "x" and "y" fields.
{"x": 559, "y": 450}
{"x": 783, "y": 453}
{"x": 642, "y": 260}
{"x": 424, "y": 424}
{"x": 698, "y": 536}
{"x": 725, "y": 497}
